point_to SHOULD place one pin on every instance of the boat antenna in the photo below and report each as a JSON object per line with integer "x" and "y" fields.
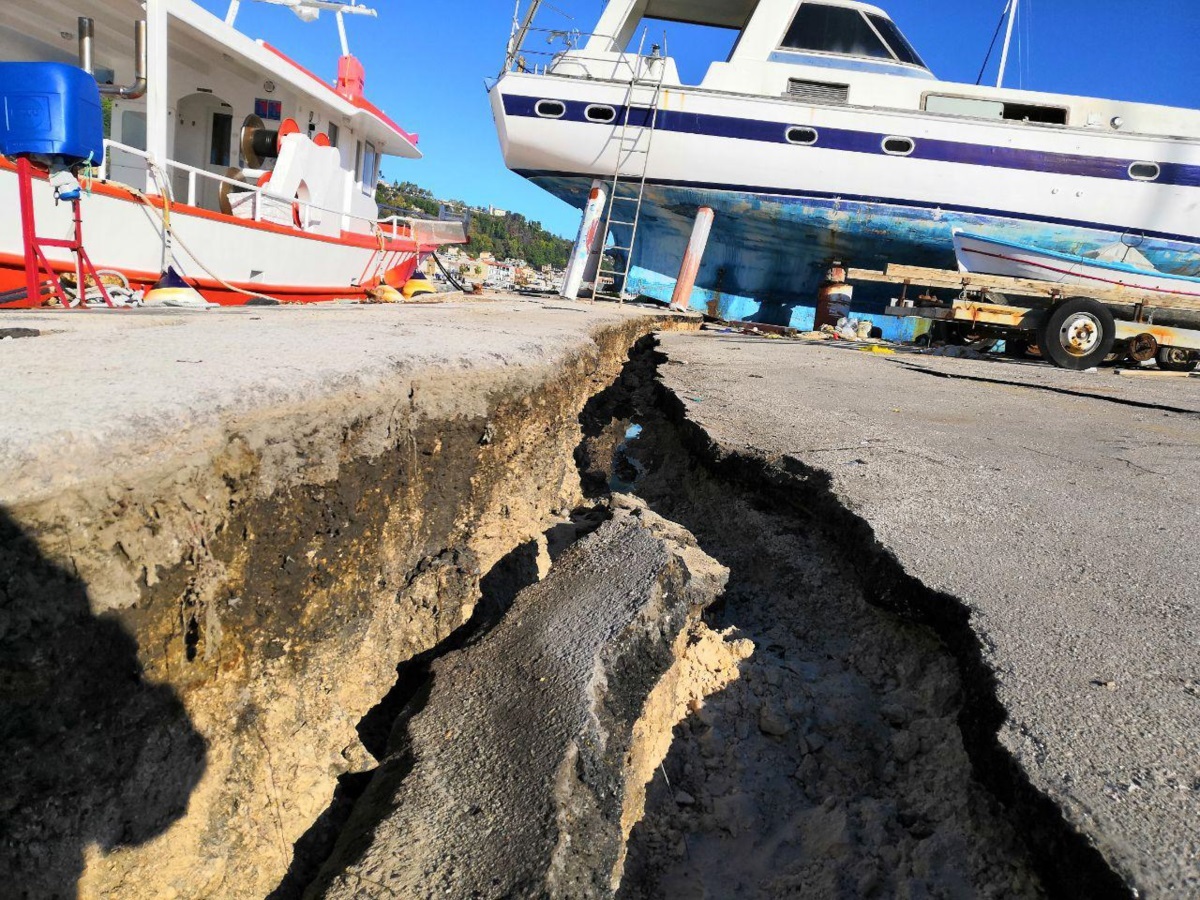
{"x": 310, "y": 10}
{"x": 1012, "y": 18}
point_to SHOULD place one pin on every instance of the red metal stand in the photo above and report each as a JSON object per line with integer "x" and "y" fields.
{"x": 35, "y": 256}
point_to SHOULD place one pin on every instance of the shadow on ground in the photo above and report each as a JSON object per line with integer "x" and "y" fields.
{"x": 93, "y": 754}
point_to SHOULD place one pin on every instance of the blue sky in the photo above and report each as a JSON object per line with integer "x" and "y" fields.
{"x": 426, "y": 64}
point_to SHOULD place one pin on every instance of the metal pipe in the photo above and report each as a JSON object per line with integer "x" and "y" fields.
{"x": 87, "y": 36}
{"x": 682, "y": 297}
{"x": 140, "y": 80}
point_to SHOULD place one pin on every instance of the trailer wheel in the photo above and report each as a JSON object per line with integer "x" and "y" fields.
{"x": 1078, "y": 333}
{"x": 1176, "y": 359}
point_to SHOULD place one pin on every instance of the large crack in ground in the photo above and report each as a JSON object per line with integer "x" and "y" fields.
{"x": 856, "y": 755}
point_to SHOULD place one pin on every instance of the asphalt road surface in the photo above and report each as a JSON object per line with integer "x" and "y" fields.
{"x": 1060, "y": 508}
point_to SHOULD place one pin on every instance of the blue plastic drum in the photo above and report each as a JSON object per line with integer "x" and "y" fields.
{"x": 51, "y": 112}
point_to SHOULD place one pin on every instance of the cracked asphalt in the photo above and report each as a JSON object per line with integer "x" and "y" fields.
{"x": 1060, "y": 507}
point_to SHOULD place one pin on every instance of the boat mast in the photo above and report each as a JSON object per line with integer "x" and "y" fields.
{"x": 1012, "y": 18}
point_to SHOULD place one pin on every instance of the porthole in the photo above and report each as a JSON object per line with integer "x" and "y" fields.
{"x": 805, "y": 137}
{"x": 551, "y": 109}
{"x": 602, "y": 114}
{"x": 1145, "y": 171}
{"x": 899, "y": 146}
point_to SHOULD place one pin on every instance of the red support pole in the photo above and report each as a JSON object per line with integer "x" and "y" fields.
{"x": 35, "y": 257}
{"x": 681, "y": 299}
{"x": 29, "y": 233}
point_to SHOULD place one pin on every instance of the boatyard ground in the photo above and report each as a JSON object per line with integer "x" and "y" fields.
{"x": 957, "y": 651}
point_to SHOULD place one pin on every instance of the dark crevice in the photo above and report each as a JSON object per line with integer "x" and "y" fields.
{"x": 1065, "y": 860}
{"x": 1069, "y": 392}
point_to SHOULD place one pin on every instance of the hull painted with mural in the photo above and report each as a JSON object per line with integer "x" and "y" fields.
{"x": 1015, "y": 259}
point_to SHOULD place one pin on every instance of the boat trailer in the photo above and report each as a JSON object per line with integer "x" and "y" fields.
{"x": 1070, "y": 329}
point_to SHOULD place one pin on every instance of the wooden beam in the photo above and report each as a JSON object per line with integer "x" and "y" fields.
{"x": 947, "y": 279}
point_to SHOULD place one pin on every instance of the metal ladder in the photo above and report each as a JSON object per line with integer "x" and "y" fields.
{"x": 628, "y": 148}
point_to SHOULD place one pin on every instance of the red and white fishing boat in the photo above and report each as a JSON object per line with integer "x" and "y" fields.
{"x": 224, "y": 159}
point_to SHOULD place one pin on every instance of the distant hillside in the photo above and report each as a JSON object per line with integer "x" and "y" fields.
{"x": 505, "y": 237}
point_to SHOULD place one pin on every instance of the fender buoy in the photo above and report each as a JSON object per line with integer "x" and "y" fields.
{"x": 417, "y": 286}
{"x": 171, "y": 290}
{"x": 384, "y": 293}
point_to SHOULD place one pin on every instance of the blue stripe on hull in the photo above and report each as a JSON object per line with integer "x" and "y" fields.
{"x": 768, "y": 254}
{"x": 869, "y": 142}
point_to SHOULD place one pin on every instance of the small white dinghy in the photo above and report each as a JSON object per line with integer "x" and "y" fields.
{"x": 1114, "y": 266}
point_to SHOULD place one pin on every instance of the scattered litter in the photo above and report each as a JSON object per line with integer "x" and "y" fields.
{"x": 696, "y": 399}
{"x": 816, "y": 335}
{"x": 954, "y": 352}
{"x": 878, "y": 348}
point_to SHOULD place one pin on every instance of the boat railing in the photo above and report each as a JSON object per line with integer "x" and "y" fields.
{"x": 525, "y": 56}
{"x": 392, "y": 226}
{"x": 425, "y": 231}
{"x": 533, "y": 60}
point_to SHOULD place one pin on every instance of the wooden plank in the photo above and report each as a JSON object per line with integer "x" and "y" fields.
{"x": 951, "y": 280}
{"x": 1151, "y": 373}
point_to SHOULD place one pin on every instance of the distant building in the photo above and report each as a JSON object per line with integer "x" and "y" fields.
{"x": 499, "y": 213}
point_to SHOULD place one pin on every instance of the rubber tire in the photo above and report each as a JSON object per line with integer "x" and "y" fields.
{"x": 1053, "y": 350}
{"x": 1167, "y": 364}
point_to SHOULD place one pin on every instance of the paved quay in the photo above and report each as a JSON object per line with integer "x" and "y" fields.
{"x": 98, "y": 392}
{"x": 1060, "y": 508}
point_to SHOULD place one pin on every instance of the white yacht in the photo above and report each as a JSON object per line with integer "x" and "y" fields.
{"x": 825, "y": 135}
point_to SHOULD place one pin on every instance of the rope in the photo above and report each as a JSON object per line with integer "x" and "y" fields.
{"x": 174, "y": 237}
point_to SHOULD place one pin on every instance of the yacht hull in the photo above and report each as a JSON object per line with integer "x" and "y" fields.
{"x": 783, "y": 211}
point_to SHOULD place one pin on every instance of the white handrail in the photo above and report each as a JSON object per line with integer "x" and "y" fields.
{"x": 259, "y": 193}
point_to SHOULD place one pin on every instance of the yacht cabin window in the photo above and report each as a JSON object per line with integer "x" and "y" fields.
{"x": 818, "y": 28}
{"x": 834, "y": 29}
{"x": 983, "y": 108}
{"x": 898, "y": 42}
